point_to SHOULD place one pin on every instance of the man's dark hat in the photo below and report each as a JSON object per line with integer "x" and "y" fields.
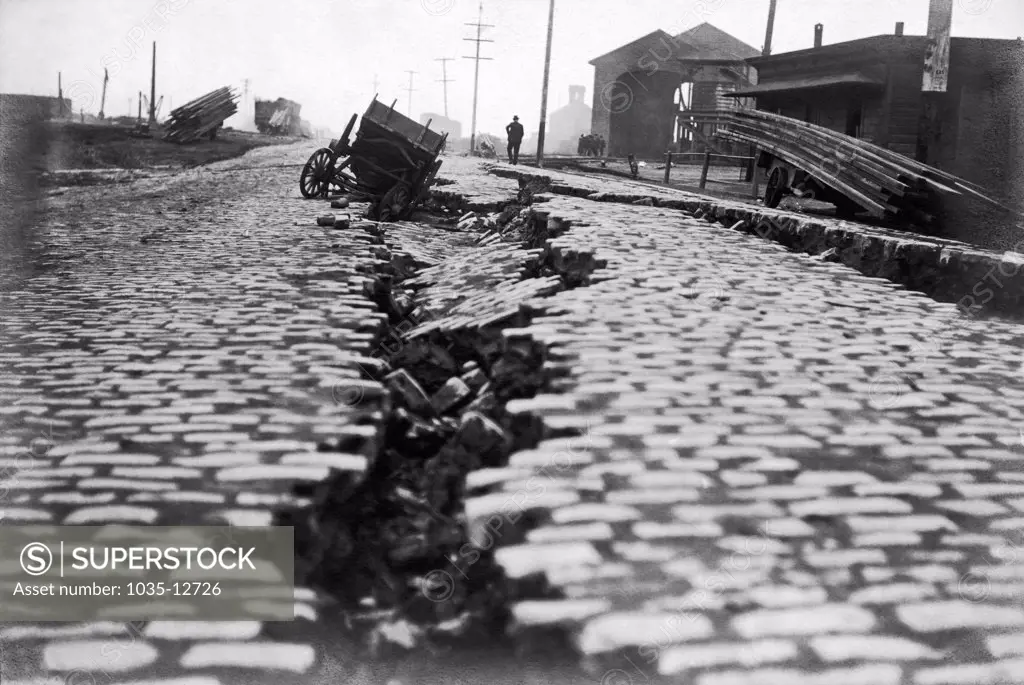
{"x": 515, "y": 118}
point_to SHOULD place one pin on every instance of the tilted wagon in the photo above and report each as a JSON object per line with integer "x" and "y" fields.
{"x": 391, "y": 163}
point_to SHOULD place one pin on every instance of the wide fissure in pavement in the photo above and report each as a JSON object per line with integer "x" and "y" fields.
{"x": 416, "y": 579}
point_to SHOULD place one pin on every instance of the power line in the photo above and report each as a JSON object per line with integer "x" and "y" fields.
{"x": 445, "y": 80}
{"x": 410, "y": 89}
{"x": 476, "y": 75}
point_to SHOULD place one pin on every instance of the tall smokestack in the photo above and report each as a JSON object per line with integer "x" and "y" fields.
{"x": 819, "y": 30}
{"x": 899, "y": 28}
{"x": 771, "y": 27}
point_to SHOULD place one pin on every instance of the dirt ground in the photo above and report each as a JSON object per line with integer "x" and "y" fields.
{"x": 95, "y": 147}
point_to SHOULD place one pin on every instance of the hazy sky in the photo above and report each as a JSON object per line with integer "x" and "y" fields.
{"x": 325, "y": 53}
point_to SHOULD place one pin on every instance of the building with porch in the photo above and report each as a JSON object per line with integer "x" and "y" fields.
{"x": 871, "y": 88}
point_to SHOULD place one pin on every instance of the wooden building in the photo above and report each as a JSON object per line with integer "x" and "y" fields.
{"x": 643, "y": 90}
{"x": 871, "y": 88}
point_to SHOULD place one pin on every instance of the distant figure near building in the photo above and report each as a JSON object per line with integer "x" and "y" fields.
{"x": 515, "y": 139}
{"x": 600, "y": 145}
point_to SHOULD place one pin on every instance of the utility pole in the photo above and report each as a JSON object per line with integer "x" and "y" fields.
{"x": 445, "y": 80}
{"x": 60, "y": 96}
{"x": 410, "y": 89}
{"x": 249, "y": 112}
{"x": 103, "y": 98}
{"x": 140, "y": 106}
{"x": 771, "y": 27}
{"x": 375, "y": 84}
{"x": 544, "y": 90}
{"x": 476, "y": 76}
{"x": 152, "y": 91}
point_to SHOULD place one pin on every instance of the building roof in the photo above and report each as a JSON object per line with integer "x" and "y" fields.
{"x": 711, "y": 42}
{"x": 851, "y": 78}
{"x": 638, "y": 46}
{"x": 890, "y": 44}
{"x": 702, "y": 42}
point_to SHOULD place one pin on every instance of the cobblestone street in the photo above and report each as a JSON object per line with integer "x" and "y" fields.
{"x": 755, "y": 467}
{"x": 174, "y": 361}
{"x": 783, "y": 465}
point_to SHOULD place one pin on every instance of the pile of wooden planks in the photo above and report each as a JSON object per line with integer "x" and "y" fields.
{"x": 202, "y": 116}
{"x": 886, "y": 184}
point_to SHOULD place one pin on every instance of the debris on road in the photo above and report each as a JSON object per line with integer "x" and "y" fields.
{"x": 202, "y": 116}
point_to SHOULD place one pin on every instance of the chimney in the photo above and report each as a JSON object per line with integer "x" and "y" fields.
{"x": 899, "y": 28}
{"x": 819, "y": 29}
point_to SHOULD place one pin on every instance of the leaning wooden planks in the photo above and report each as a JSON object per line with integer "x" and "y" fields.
{"x": 883, "y": 182}
{"x": 199, "y": 117}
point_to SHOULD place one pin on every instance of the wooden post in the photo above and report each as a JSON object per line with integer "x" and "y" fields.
{"x": 668, "y": 165}
{"x": 753, "y": 180}
{"x": 544, "y": 88}
{"x": 704, "y": 170}
{"x": 152, "y": 90}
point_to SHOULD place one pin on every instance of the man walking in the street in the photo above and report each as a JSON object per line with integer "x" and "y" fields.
{"x": 515, "y": 139}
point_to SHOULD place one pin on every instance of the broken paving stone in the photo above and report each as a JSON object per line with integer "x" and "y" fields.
{"x": 475, "y": 379}
{"x": 485, "y": 403}
{"x": 409, "y": 391}
{"x": 398, "y": 636}
{"x": 481, "y": 436}
{"x": 340, "y": 203}
{"x": 829, "y": 255}
{"x": 433, "y": 364}
{"x": 325, "y": 220}
{"x": 450, "y": 395}
{"x": 402, "y": 304}
{"x": 343, "y": 223}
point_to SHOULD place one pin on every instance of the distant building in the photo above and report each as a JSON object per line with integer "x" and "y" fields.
{"x": 278, "y": 117}
{"x": 442, "y": 124}
{"x": 38, "y": 107}
{"x": 569, "y": 123}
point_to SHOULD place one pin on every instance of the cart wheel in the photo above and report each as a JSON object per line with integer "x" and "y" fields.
{"x": 395, "y": 203}
{"x": 340, "y": 181}
{"x": 317, "y": 174}
{"x": 778, "y": 180}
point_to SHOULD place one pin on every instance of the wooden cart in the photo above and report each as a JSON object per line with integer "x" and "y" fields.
{"x": 391, "y": 163}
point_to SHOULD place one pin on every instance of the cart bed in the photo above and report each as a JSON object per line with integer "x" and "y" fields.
{"x": 401, "y": 126}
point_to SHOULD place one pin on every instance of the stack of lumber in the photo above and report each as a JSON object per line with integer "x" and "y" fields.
{"x": 201, "y": 116}
{"x": 887, "y": 184}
